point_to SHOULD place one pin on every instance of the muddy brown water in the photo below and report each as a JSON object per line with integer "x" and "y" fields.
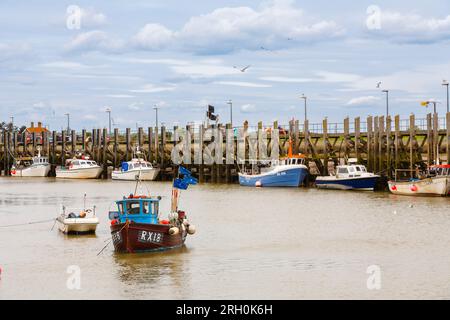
{"x": 250, "y": 244}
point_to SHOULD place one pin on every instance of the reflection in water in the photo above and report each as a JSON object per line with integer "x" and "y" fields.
{"x": 153, "y": 269}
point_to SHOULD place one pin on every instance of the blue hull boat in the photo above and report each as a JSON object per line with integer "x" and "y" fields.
{"x": 279, "y": 177}
{"x": 357, "y": 183}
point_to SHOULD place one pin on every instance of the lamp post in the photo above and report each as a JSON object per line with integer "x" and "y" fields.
{"x": 108, "y": 110}
{"x": 156, "y": 110}
{"x": 445, "y": 83}
{"x": 387, "y": 102}
{"x": 68, "y": 122}
{"x": 230, "y": 103}
{"x": 304, "y": 98}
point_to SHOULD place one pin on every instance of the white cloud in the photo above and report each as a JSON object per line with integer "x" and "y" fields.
{"x": 200, "y": 70}
{"x": 135, "y": 106}
{"x": 243, "y": 84}
{"x": 248, "y": 108}
{"x": 287, "y": 79}
{"x": 91, "y": 18}
{"x": 413, "y": 28}
{"x": 93, "y": 41}
{"x": 150, "y": 88}
{"x": 10, "y": 51}
{"x": 363, "y": 101}
{"x": 120, "y": 96}
{"x": 153, "y": 36}
{"x": 278, "y": 24}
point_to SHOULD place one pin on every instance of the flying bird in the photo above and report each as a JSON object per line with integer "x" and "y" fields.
{"x": 243, "y": 69}
{"x": 378, "y": 84}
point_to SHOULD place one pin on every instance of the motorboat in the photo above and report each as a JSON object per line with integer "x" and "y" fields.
{"x": 138, "y": 167}
{"x": 79, "y": 168}
{"x": 37, "y": 166}
{"x": 351, "y": 176}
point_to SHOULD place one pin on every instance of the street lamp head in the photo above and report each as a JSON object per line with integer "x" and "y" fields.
{"x": 445, "y": 83}
{"x": 385, "y": 91}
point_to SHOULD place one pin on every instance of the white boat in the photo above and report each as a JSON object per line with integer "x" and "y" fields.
{"x": 79, "y": 169}
{"x": 436, "y": 182}
{"x": 77, "y": 221}
{"x": 137, "y": 168}
{"x": 37, "y": 166}
{"x": 352, "y": 176}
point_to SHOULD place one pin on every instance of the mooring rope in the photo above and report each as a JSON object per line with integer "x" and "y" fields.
{"x": 110, "y": 240}
{"x": 28, "y": 223}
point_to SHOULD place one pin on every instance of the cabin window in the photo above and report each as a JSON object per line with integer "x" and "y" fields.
{"x": 363, "y": 169}
{"x": 120, "y": 205}
{"x": 342, "y": 170}
{"x": 76, "y": 163}
{"x": 145, "y": 207}
{"x": 83, "y": 162}
{"x": 156, "y": 208}
{"x": 358, "y": 169}
{"x": 133, "y": 207}
{"x": 351, "y": 169}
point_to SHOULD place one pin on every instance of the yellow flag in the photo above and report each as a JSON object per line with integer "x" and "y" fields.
{"x": 424, "y": 103}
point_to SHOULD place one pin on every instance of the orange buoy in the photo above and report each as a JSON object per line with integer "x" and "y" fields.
{"x": 413, "y": 188}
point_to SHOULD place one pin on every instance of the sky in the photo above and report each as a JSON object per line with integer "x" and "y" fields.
{"x": 82, "y": 57}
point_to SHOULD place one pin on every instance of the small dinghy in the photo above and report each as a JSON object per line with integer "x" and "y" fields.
{"x": 77, "y": 221}
{"x": 352, "y": 176}
{"x": 137, "y": 225}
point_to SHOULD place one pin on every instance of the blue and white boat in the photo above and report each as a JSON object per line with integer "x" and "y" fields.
{"x": 288, "y": 172}
{"x": 349, "y": 177}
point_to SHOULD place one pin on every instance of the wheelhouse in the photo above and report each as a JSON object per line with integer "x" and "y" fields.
{"x": 137, "y": 209}
{"x": 350, "y": 171}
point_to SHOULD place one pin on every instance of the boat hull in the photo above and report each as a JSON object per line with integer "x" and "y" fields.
{"x": 139, "y": 237}
{"x": 289, "y": 177}
{"x": 32, "y": 171}
{"x": 354, "y": 183}
{"x": 437, "y": 186}
{"x": 82, "y": 173}
{"x": 77, "y": 225}
{"x": 143, "y": 174}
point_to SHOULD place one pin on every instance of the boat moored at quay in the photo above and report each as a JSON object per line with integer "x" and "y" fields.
{"x": 352, "y": 176}
{"x": 82, "y": 168}
{"x": 37, "y": 166}
{"x": 434, "y": 182}
{"x": 137, "y": 168}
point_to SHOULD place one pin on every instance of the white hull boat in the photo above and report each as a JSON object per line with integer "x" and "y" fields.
{"x": 77, "y": 225}
{"x": 32, "y": 171}
{"x": 436, "y": 186}
{"x": 145, "y": 174}
{"x": 137, "y": 168}
{"x": 79, "y": 169}
{"x": 81, "y": 173}
{"x": 77, "y": 221}
{"x": 37, "y": 166}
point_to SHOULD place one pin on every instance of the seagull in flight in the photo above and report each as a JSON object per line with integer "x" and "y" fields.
{"x": 379, "y": 84}
{"x": 243, "y": 69}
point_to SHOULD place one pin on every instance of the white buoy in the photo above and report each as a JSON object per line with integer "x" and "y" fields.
{"x": 174, "y": 231}
{"x": 191, "y": 229}
{"x": 185, "y": 222}
{"x": 258, "y": 183}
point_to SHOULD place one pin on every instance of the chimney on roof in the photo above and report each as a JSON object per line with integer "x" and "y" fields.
{"x": 39, "y": 124}
{"x": 32, "y": 124}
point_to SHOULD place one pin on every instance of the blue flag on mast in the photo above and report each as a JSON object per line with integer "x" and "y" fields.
{"x": 183, "y": 183}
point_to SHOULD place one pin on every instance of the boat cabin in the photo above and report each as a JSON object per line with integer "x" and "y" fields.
{"x": 135, "y": 164}
{"x": 80, "y": 163}
{"x": 439, "y": 170}
{"x": 139, "y": 209}
{"x": 350, "y": 171}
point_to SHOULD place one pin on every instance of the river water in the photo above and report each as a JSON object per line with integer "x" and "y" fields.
{"x": 250, "y": 244}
